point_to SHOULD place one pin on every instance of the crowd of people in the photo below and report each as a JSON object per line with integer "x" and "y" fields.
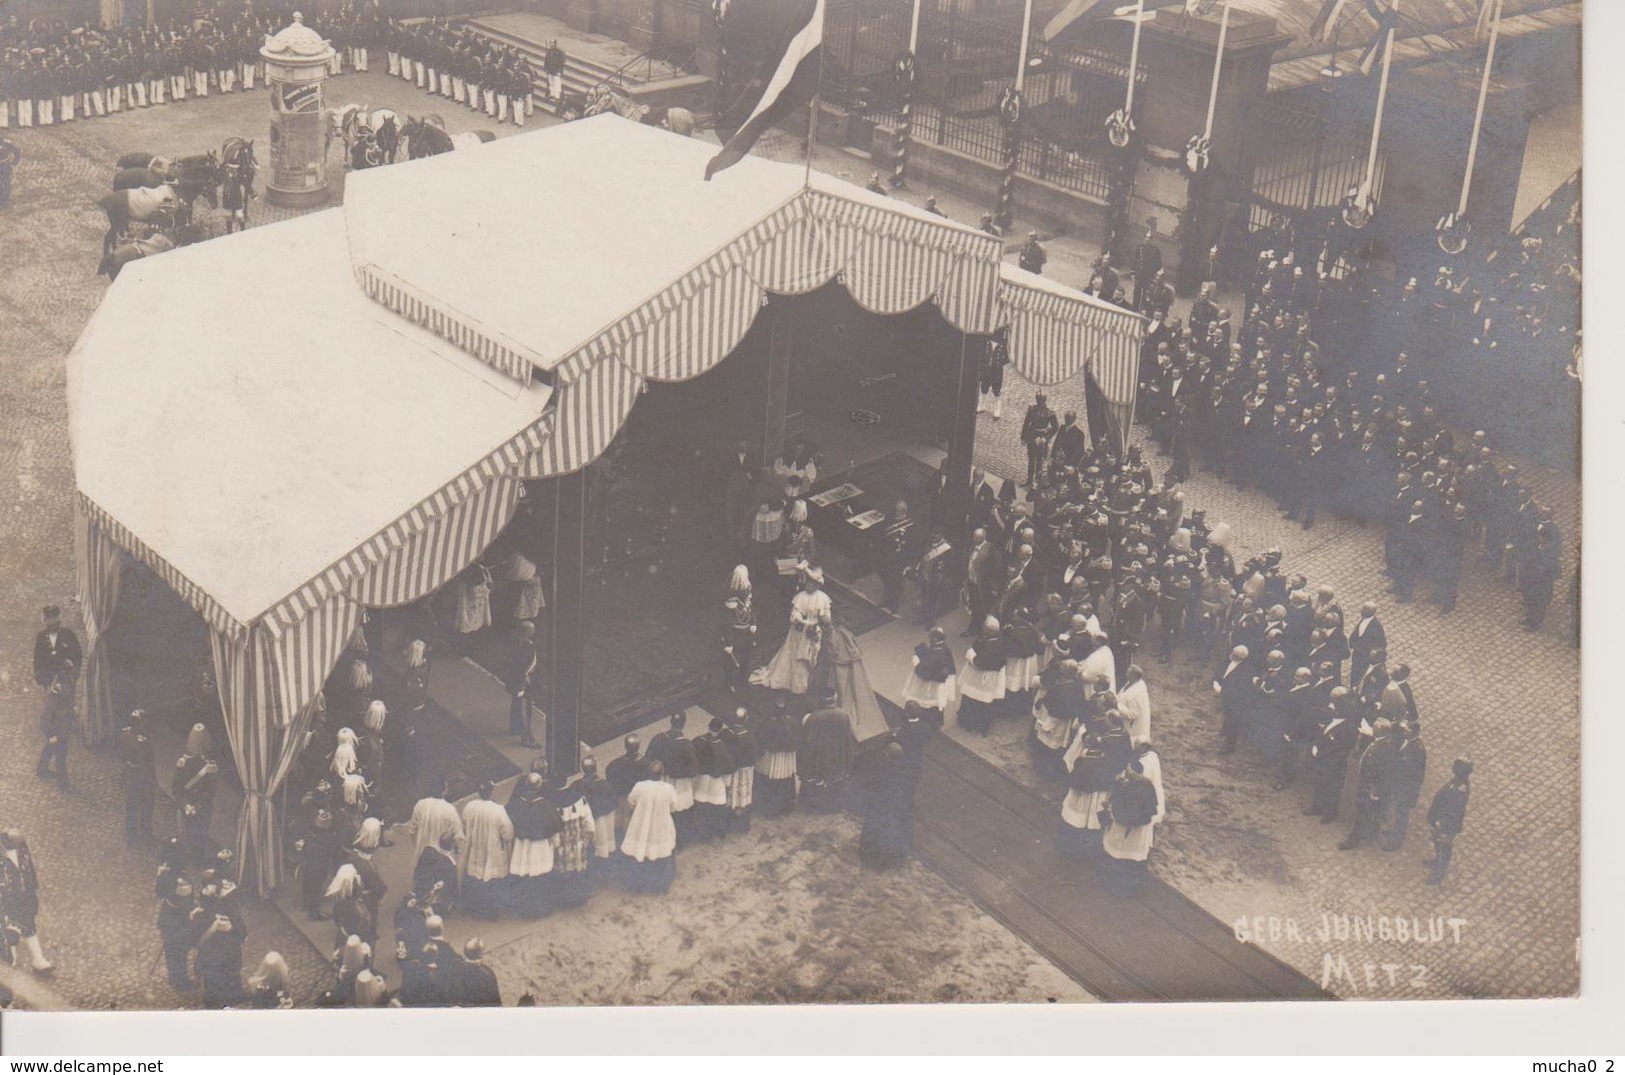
{"x": 51, "y": 72}
{"x": 1343, "y": 429}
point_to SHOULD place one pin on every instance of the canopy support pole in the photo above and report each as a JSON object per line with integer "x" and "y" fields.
{"x": 962, "y": 436}
{"x": 778, "y": 377}
{"x": 562, "y": 737}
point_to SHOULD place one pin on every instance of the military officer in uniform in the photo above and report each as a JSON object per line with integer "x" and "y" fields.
{"x": 140, "y": 778}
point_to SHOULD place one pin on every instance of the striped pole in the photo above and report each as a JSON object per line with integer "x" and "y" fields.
{"x": 1011, "y": 110}
{"x": 906, "y": 74}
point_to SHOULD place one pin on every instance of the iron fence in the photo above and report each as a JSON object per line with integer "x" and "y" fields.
{"x": 963, "y": 67}
{"x": 1305, "y": 159}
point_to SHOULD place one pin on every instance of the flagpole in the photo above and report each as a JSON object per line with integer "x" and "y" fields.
{"x": 905, "y": 125}
{"x": 1134, "y": 57}
{"x": 1218, "y": 67}
{"x": 1478, "y": 117}
{"x": 1005, "y": 214}
{"x": 1382, "y": 99}
{"x": 818, "y": 91}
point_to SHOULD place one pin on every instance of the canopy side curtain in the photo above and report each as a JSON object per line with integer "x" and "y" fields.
{"x": 101, "y": 571}
{"x": 269, "y": 679}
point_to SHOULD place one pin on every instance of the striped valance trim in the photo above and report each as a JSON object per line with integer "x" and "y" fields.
{"x": 211, "y": 610}
{"x": 374, "y": 550}
{"x": 676, "y": 296}
{"x": 1052, "y": 307}
{"x": 1054, "y": 337}
{"x": 484, "y": 343}
{"x": 439, "y": 552}
{"x": 878, "y": 220}
{"x": 590, "y": 414}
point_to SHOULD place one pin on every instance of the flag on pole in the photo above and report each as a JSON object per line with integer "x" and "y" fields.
{"x": 1387, "y": 20}
{"x": 1486, "y": 8}
{"x": 1099, "y": 10}
{"x": 1325, "y": 23}
{"x": 793, "y": 85}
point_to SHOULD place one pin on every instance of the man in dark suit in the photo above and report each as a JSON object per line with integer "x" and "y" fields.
{"x": 1410, "y": 550}
{"x": 1147, "y": 263}
{"x": 740, "y": 499}
{"x": 521, "y": 683}
{"x": 982, "y": 581}
{"x": 1329, "y": 754}
{"x": 1233, "y": 683}
{"x": 1365, "y": 639}
{"x": 57, "y": 652}
{"x": 1070, "y": 445}
{"x": 474, "y": 985}
{"x": 1301, "y": 709}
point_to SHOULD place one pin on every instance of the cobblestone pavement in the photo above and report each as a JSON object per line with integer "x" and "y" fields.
{"x": 1230, "y": 843}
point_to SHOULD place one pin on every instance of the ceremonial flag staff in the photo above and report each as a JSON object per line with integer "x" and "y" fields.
{"x": 1010, "y": 109}
{"x": 1361, "y": 203}
{"x": 1453, "y": 229}
{"x": 905, "y": 74}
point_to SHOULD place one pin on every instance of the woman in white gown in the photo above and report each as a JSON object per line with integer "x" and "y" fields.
{"x": 811, "y": 614}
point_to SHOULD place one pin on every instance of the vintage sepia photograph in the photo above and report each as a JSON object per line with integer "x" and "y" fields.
{"x": 788, "y": 502}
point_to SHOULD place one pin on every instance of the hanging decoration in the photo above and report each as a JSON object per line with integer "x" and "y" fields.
{"x": 1198, "y": 156}
{"x": 1120, "y": 124}
{"x": 1454, "y": 230}
{"x": 1360, "y": 203}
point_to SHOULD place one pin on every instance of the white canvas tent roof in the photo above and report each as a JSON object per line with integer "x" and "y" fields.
{"x": 543, "y": 241}
{"x": 243, "y": 409}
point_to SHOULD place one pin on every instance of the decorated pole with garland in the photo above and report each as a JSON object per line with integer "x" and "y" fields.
{"x": 1453, "y": 230}
{"x": 1010, "y": 109}
{"x": 905, "y": 77}
{"x": 1360, "y": 205}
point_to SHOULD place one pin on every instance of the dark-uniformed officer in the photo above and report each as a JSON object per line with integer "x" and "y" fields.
{"x": 140, "y": 778}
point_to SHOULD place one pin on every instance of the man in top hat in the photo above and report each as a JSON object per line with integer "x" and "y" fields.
{"x": 932, "y": 207}
{"x": 57, "y": 652}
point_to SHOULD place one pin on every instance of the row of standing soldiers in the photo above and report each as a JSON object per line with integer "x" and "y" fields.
{"x": 469, "y": 57}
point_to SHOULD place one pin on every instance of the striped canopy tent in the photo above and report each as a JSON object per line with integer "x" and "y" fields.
{"x": 282, "y": 452}
{"x": 343, "y": 414}
{"x": 636, "y": 269}
{"x": 1057, "y": 333}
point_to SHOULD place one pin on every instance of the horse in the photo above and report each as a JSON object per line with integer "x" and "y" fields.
{"x": 197, "y": 175}
{"x": 676, "y": 119}
{"x": 237, "y": 181}
{"x": 387, "y": 135}
{"x": 159, "y": 242}
{"x": 472, "y": 139}
{"x": 143, "y": 160}
{"x": 161, "y": 205}
{"x": 424, "y": 139}
{"x": 340, "y": 122}
{"x": 142, "y": 176}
